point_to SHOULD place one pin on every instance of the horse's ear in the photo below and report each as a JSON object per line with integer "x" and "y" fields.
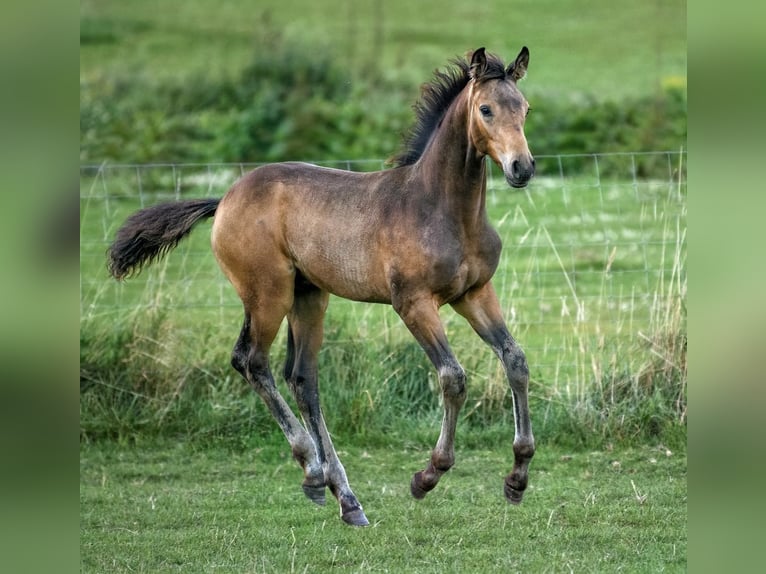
{"x": 478, "y": 63}
{"x": 518, "y": 69}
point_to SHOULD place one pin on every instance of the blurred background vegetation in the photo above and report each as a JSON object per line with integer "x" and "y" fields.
{"x": 194, "y": 81}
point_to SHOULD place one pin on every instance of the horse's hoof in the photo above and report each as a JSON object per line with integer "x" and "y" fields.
{"x": 416, "y": 489}
{"x": 355, "y": 517}
{"x": 513, "y": 495}
{"x": 315, "y": 494}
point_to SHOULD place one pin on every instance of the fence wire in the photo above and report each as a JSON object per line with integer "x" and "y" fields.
{"x": 596, "y": 244}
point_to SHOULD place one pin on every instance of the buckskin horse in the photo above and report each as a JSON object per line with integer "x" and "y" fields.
{"x": 415, "y": 236}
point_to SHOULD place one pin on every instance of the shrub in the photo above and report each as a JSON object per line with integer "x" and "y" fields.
{"x": 586, "y": 125}
{"x": 282, "y": 106}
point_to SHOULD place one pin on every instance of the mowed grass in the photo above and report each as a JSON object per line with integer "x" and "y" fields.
{"x": 173, "y": 508}
{"x": 611, "y": 49}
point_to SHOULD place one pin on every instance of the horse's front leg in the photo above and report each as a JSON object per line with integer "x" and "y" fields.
{"x": 482, "y": 310}
{"x": 421, "y": 316}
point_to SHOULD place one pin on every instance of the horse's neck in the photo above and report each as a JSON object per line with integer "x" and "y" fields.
{"x": 453, "y": 168}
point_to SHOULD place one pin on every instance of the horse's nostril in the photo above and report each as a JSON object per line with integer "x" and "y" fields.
{"x": 520, "y": 171}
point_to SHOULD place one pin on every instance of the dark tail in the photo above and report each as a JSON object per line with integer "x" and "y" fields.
{"x": 150, "y": 233}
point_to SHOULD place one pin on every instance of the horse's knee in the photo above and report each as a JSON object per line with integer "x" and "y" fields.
{"x": 452, "y": 381}
{"x": 515, "y": 362}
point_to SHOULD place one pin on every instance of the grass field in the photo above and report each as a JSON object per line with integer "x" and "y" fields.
{"x": 173, "y": 508}
{"x": 181, "y": 467}
{"x": 613, "y": 49}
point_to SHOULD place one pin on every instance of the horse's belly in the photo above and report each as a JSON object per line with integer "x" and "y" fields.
{"x": 344, "y": 270}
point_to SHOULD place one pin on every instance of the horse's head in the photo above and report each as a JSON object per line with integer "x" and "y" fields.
{"x": 497, "y": 111}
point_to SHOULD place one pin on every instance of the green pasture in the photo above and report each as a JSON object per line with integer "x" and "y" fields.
{"x": 182, "y": 469}
{"x": 174, "y": 508}
{"x": 613, "y": 49}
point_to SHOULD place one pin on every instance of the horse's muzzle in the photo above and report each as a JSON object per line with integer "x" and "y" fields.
{"x": 520, "y": 172}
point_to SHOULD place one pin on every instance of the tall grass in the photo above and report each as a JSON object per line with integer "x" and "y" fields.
{"x": 592, "y": 278}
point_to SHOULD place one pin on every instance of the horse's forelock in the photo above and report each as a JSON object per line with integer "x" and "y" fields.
{"x": 493, "y": 70}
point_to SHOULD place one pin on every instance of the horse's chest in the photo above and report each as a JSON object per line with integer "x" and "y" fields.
{"x": 466, "y": 264}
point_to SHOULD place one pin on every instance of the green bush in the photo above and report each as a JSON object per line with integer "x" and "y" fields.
{"x": 282, "y": 106}
{"x": 586, "y": 125}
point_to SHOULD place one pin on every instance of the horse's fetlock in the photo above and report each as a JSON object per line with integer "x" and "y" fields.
{"x": 442, "y": 462}
{"x": 524, "y": 451}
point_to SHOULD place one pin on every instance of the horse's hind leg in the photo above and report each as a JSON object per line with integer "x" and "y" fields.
{"x": 250, "y": 359}
{"x": 304, "y": 339}
{"x": 314, "y": 483}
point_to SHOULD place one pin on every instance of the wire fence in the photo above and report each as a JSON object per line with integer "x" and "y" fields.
{"x": 595, "y": 245}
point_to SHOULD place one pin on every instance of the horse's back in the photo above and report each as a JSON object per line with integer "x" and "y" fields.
{"x": 320, "y": 222}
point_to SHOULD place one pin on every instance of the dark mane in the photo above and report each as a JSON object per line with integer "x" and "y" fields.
{"x": 435, "y": 98}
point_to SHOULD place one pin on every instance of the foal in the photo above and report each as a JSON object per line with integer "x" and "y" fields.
{"x": 416, "y": 237}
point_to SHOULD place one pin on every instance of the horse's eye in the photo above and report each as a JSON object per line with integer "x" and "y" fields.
{"x": 485, "y": 111}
